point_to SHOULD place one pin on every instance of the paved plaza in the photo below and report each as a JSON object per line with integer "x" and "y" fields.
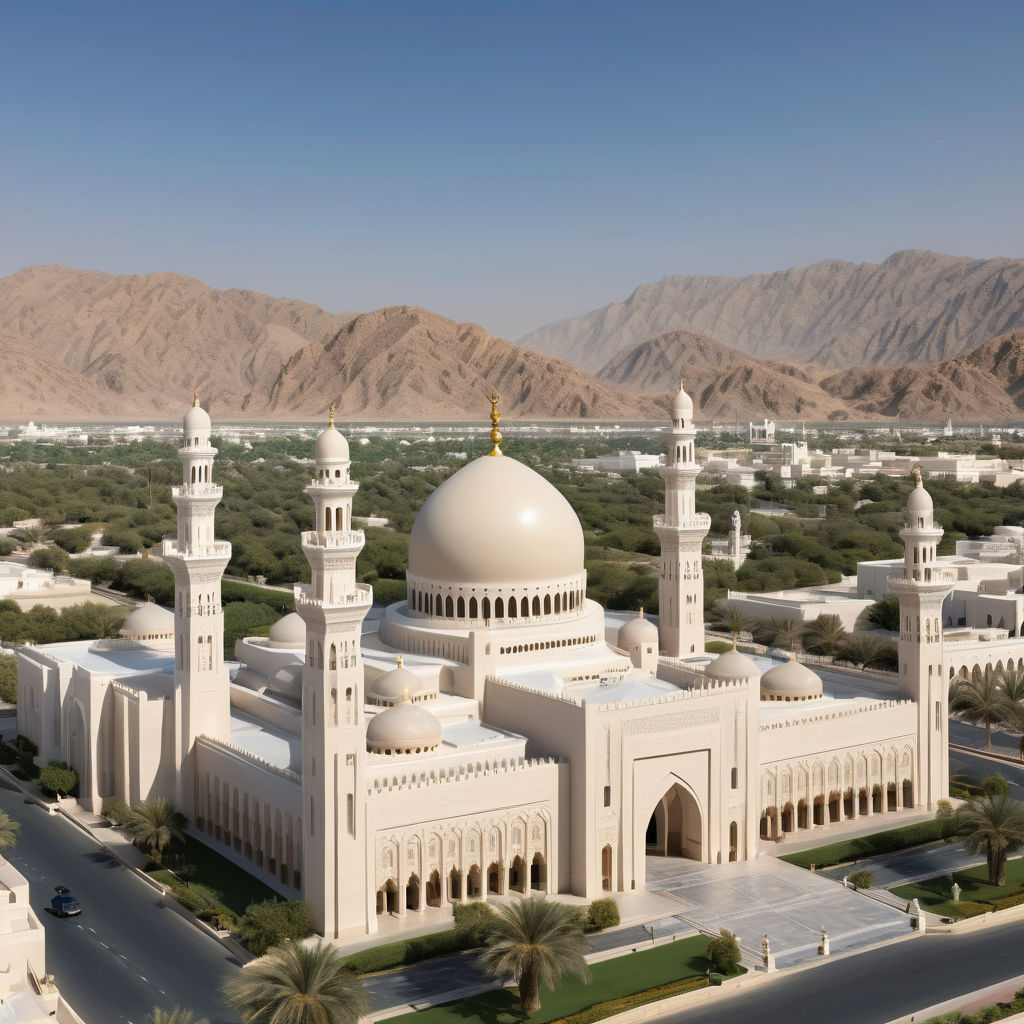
{"x": 767, "y": 896}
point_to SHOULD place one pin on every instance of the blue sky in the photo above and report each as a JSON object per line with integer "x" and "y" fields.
{"x": 507, "y": 163}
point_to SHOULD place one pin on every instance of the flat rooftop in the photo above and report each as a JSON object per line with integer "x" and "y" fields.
{"x": 121, "y": 663}
{"x": 282, "y": 749}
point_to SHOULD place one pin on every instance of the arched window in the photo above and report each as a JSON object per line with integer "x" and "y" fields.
{"x": 327, "y": 519}
{"x": 461, "y": 607}
{"x": 513, "y": 608}
{"x": 334, "y": 657}
{"x": 449, "y": 606}
{"x": 524, "y": 607}
{"x": 487, "y": 607}
{"x": 558, "y": 603}
{"x": 472, "y": 607}
{"x": 547, "y": 604}
{"x": 536, "y": 606}
{"x": 438, "y": 605}
{"x": 499, "y": 608}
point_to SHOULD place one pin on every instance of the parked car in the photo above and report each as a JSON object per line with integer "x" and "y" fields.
{"x": 64, "y": 904}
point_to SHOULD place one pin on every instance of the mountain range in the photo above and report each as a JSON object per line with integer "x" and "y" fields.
{"x": 914, "y": 307}
{"x": 83, "y": 345}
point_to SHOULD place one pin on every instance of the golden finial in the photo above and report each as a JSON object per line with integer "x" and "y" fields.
{"x": 330, "y": 416}
{"x": 495, "y": 416}
{"x": 195, "y": 397}
{"x": 640, "y": 614}
{"x": 917, "y": 476}
{"x": 398, "y": 662}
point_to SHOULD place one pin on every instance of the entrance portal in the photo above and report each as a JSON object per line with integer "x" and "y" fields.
{"x": 675, "y": 829}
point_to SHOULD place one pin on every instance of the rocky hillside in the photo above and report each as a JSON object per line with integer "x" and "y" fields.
{"x": 724, "y": 383}
{"x": 87, "y": 345}
{"x": 407, "y": 363}
{"x": 138, "y": 346}
{"x": 914, "y": 307}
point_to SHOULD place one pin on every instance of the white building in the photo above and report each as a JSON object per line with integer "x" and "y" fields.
{"x": 622, "y": 462}
{"x": 495, "y": 731}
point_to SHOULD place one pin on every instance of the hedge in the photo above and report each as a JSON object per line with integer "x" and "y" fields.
{"x": 410, "y": 951}
{"x": 869, "y": 846}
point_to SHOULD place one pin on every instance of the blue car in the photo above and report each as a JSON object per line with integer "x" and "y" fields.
{"x": 64, "y": 904}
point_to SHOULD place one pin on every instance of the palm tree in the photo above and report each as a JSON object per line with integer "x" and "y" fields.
{"x": 993, "y": 825}
{"x": 729, "y": 619}
{"x": 155, "y": 823}
{"x": 786, "y": 633}
{"x": 298, "y": 983}
{"x": 825, "y": 634}
{"x": 9, "y": 829}
{"x": 178, "y": 1015}
{"x": 863, "y": 649}
{"x": 1011, "y": 682}
{"x": 980, "y": 700}
{"x": 534, "y": 942}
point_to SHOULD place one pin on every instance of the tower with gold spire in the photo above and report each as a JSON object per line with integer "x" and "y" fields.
{"x": 333, "y": 606}
{"x": 197, "y": 560}
{"x": 681, "y": 530}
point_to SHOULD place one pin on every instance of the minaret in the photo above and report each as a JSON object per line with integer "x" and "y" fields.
{"x": 921, "y": 588}
{"x": 197, "y": 560}
{"x": 333, "y": 607}
{"x": 682, "y": 530}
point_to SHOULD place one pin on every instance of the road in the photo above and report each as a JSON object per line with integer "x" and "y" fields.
{"x": 125, "y": 954}
{"x": 880, "y": 985}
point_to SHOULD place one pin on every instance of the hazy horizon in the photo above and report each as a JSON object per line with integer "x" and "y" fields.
{"x": 508, "y": 166}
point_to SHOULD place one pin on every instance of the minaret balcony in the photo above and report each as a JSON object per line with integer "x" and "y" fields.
{"x": 923, "y": 574}
{"x": 698, "y": 521}
{"x": 335, "y": 539}
{"x": 217, "y": 550}
{"x": 361, "y": 596}
{"x": 198, "y": 491}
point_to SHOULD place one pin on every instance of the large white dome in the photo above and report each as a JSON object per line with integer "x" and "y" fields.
{"x": 495, "y": 522}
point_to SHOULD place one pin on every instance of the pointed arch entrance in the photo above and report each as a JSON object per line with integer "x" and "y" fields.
{"x": 676, "y": 826}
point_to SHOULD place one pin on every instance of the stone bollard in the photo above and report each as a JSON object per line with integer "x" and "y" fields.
{"x": 823, "y": 945}
{"x": 956, "y": 893}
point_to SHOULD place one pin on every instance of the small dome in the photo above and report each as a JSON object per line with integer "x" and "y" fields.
{"x": 397, "y": 685}
{"x": 920, "y": 501}
{"x": 682, "y": 405}
{"x": 149, "y": 620}
{"x": 197, "y": 420}
{"x": 331, "y": 446}
{"x": 638, "y": 631}
{"x": 790, "y": 681}
{"x": 288, "y": 631}
{"x": 403, "y": 729}
{"x": 731, "y": 667}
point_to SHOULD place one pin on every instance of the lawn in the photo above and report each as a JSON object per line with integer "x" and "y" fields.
{"x": 868, "y": 846}
{"x": 936, "y": 896}
{"x": 611, "y": 979}
{"x": 217, "y": 879}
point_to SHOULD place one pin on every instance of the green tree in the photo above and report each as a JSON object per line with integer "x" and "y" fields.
{"x": 724, "y": 952}
{"x": 9, "y": 679}
{"x": 50, "y": 558}
{"x": 271, "y": 922}
{"x": 995, "y": 785}
{"x": 9, "y": 829}
{"x": 535, "y": 942}
{"x": 980, "y": 701}
{"x": 993, "y": 825}
{"x": 296, "y": 983}
{"x": 886, "y": 614}
{"x": 825, "y": 635}
{"x": 178, "y": 1015}
{"x": 154, "y": 823}
{"x": 864, "y": 649}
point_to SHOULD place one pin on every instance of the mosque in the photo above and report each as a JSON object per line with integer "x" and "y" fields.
{"x": 496, "y": 731}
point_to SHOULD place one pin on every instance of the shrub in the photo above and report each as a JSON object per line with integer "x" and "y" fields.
{"x": 50, "y": 558}
{"x": 943, "y": 809}
{"x": 602, "y": 914}
{"x": 26, "y": 748}
{"x": 869, "y": 846}
{"x": 218, "y": 917}
{"x": 717, "y": 647}
{"x": 188, "y": 898}
{"x": 269, "y": 923}
{"x": 8, "y": 755}
{"x": 117, "y": 810}
{"x": 995, "y": 785}
{"x": 6, "y": 547}
{"x": 861, "y": 879}
{"x": 724, "y": 952}
{"x": 409, "y": 951}
{"x": 58, "y": 778}
{"x": 475, "y": 921}
{"x": 9, "y": 679}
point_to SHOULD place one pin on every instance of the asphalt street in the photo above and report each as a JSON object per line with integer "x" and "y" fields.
{"x": 124, "y": 954}
{"x": 880, "y": 985}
